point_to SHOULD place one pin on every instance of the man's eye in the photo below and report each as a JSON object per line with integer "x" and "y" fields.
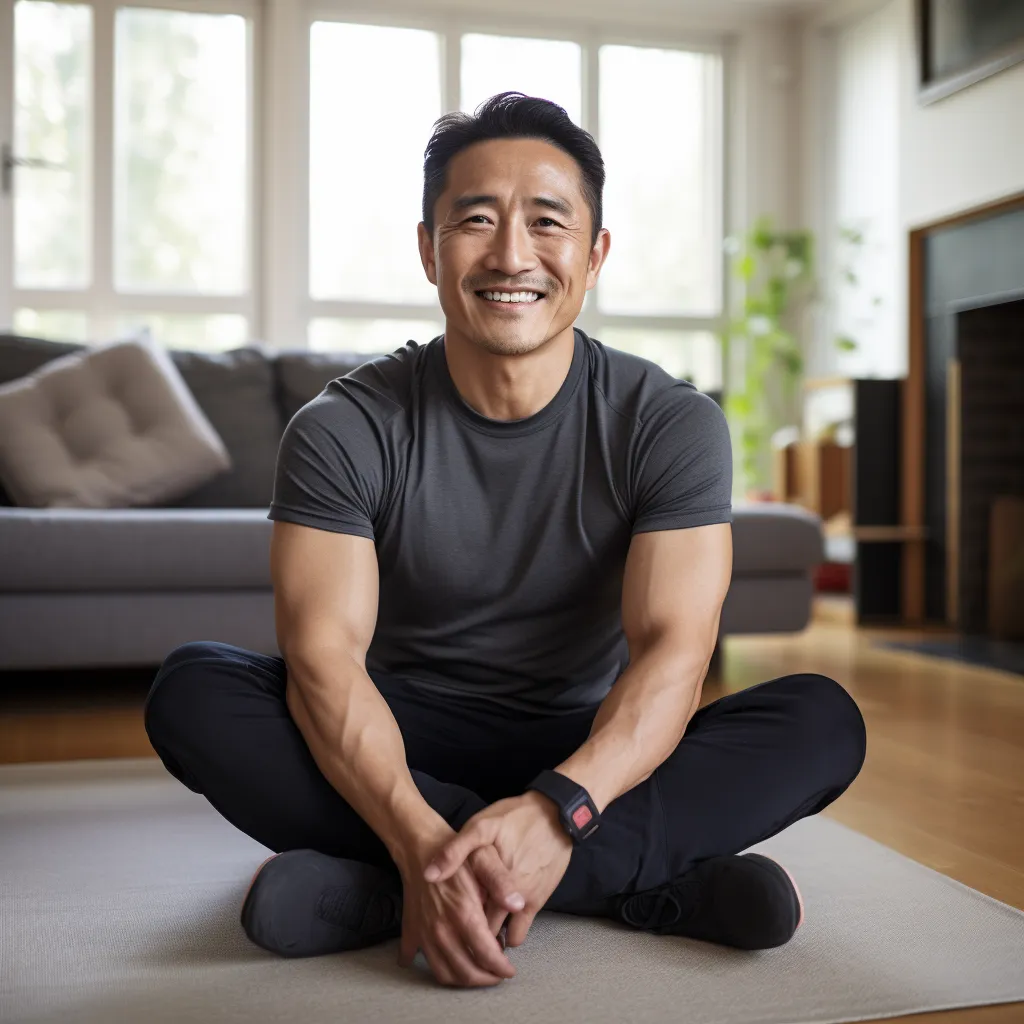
{"x": 477, "y": 217}
{"x": 548, "y": 219}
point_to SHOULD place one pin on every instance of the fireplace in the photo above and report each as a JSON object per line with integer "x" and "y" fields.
{"x": 985, "y": 441}
{"x": 963, "y": 413}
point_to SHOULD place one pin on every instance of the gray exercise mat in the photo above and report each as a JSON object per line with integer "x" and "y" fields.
{"x": 120, "y": 891}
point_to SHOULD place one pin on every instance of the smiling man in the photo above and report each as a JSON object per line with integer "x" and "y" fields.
{"x": 499, "y": 561}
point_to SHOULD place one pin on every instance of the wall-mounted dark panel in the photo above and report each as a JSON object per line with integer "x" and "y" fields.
{"x": 972, "y": 259}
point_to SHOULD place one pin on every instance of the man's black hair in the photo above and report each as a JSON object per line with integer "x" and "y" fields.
{"x": 512, "y": 115}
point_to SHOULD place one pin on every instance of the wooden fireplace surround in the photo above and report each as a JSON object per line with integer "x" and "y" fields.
{"x": 912, "y": 447}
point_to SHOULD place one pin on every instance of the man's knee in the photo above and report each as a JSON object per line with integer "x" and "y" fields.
{"x": 835, "y": 720}
{"x": 172, "y": 694}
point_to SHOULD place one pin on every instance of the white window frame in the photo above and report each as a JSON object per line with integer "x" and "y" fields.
{"x": 100, "y": 301}
{"x": 451, "y": 28}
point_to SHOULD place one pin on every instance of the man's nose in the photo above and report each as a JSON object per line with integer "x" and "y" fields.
{"x": 511, "y": 249}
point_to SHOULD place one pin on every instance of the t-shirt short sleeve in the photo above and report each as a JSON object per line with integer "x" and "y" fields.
{"x": 684, "y": 455}
{"x": 330, "y": 467}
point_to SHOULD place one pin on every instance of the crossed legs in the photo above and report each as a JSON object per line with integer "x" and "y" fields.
{"x": 749, "y": 765}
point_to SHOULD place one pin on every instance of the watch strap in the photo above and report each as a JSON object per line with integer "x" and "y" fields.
{"x": 576, "y": 810}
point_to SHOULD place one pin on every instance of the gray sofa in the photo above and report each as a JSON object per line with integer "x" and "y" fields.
{"x": 118, "y": 587}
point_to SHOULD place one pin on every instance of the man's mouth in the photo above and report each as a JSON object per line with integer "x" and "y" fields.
{"x": 509, "y": 298}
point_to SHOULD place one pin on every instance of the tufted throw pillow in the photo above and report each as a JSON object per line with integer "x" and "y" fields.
{"x": 106, "y": 427}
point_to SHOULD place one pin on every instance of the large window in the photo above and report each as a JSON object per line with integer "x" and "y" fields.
{"x": 135, "y": 200}
{"x": 132, "y": 199}
{"x": 660, "y": 196}
{"x": 53, "y": 123}
{"x": 551, "y": 68}
{"x": 655, "y": 112}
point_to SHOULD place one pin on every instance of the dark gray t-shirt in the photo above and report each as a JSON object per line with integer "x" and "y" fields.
{"x": 501, "y": 544}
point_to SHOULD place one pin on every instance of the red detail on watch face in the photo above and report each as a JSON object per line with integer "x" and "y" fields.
{"x": 581, "y": 816}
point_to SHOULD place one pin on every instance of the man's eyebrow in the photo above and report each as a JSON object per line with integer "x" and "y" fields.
{"x": 554, "y": 203}
{"x": 463, "y": 202}
{"x": 549, "y": 202}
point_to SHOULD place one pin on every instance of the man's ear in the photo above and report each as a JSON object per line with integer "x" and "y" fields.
{"x": 598, "y": 254}
{"x": 426, "y": 244}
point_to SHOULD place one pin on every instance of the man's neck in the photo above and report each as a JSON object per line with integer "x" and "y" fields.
{"x": 508, "y": 385}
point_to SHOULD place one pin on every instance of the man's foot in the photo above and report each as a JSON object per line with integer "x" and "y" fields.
{"x": 306, "y": 903}
{"x": 745, "y": 900}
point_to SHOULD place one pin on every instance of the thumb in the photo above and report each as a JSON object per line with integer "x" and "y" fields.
{"x": 519, "y": 926}
{"x": 451, "y": 856}
{"x": 408, "y": 948}
{"x": 499, "y": 882}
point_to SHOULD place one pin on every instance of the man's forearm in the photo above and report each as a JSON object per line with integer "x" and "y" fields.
{"x": 638, "y": 724}
{"x": 356, "y": 743}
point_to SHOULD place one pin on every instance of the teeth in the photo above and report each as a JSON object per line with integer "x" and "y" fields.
{"x": 511, "y": 296}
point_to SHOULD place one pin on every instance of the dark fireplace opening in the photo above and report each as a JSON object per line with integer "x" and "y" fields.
{"x": 985, "y": 471}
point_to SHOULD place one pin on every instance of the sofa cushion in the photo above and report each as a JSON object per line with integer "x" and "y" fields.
{"x": 302, "y": 375}
{"x": 773, "y": 538}
{"x": 19, "y": 356}
{"x": 110, "y": 426}
{"x": 236, "y": 390}
{"x": 128, "y": 549}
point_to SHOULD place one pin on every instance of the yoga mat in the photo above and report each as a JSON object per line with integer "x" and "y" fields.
{"x": 120, "y": 892}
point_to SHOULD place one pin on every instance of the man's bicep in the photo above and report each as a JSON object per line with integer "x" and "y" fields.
{"x": 674, "y": 584}
{"x": 326, "y": 588}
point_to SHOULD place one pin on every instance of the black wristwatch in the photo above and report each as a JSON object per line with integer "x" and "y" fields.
{"x": 576, "y": 810}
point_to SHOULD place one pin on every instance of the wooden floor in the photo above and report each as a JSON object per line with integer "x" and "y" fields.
{"x": 943, "y": 781}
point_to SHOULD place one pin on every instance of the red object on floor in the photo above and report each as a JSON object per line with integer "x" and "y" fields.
{"x": 833, "y": 577}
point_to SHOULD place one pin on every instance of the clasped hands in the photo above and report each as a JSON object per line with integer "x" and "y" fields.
{"x": 508, "y": 858}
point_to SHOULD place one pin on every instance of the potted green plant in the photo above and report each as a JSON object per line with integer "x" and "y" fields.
{"x": 762, "y": 358}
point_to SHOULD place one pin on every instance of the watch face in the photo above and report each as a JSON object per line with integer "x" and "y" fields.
{"x": 581, "y": 816}
{"x": 582, "y": 821}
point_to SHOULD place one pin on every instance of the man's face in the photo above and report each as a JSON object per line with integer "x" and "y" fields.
{"x": 512, "y": 220}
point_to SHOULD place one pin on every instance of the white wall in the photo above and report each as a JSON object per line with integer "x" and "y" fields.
{"x": 869, "y": 149}
{"x": 963, "y": 150}
{"x": 867, "y": 197}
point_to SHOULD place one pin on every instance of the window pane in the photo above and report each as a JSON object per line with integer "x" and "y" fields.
{"x": 52, "y": 110}
{"x": 51, "y": 324}
{"x": 548, "y": 68}
{"x": 211, "y": 333}
{"x": 690, "y": 355}
{"x": 180, "y": 152}
{"x": 368, "y": 130}
{"x": 372, "y": 336}
{"x": 661, "y": 197}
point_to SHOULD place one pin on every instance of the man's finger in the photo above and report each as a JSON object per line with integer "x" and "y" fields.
{"x": 470, "y": 931}
{"x": 495, "y": 914}
{"x": 470, "y": 965}
{"x": 500, "y": 883}
{"x": 407, "y": 948}
{"x": 519, "y": 926}
{"x": 438, "y": 964}
{"x": 452, "y": 855}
